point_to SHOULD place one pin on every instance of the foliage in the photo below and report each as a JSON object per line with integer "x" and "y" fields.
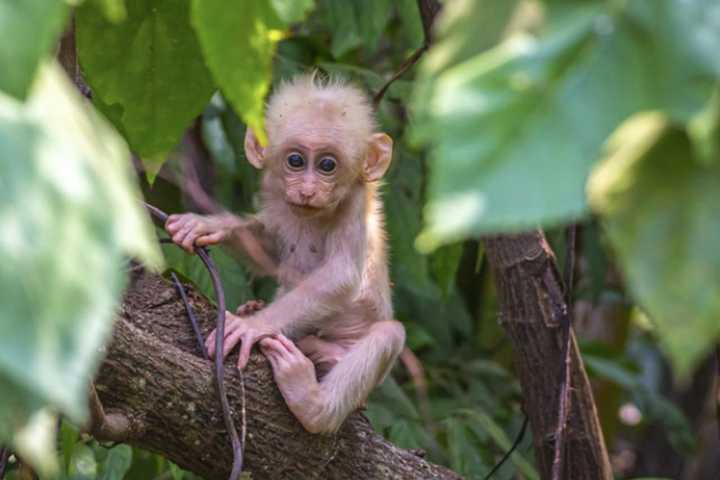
{"x": 516, "y": 130}
{"x": 523, "y": 113}
{"x": 63, "y": 241}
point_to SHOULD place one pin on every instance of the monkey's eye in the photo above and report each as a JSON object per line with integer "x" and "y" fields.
{"x": 295, "y": 160}
{"x": 327, "y": 165}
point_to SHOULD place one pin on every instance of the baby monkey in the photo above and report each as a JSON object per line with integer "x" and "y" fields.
{"x": 320, "y": 232}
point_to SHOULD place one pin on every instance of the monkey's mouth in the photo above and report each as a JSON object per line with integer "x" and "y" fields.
{"x": 304, "y": 207}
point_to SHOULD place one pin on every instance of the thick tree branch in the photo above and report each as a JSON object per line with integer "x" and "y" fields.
{"x": 153, "y": 375}
{"x": 532, "y": 304}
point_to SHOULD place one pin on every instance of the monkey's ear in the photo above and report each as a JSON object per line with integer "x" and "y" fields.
{"x": 254, "y": 152}
{"x": 378, "y": 157}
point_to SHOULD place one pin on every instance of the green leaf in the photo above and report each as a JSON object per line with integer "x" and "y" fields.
{"x": 444, "y": 264}
{"x": 114, "y": 10}
{"x": 69, "y": 212}
{"x": 291, "y": 11}
{"x": 355, "y": 23}
{"x": 238, "y": 44}
{"x": 516, "y": 130}
{"x": 499, "y": 436}
{"x": 117, "y": 463}
{"x": 30, "y": 27}
{"x": 146, "y": 73}
{"x": 83, "y": 464}
{"x": 660, "y": 210}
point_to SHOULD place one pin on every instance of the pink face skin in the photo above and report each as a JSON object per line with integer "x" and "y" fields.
{"x": 316, "y": 168}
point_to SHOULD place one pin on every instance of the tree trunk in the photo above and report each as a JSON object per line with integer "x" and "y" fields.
{"x": 153, "y": 374}
{"x": 528, "y": 291}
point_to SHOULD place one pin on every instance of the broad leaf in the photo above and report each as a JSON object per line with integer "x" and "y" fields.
{"x": 146, "y": 73}
{"x": 69, "y": 211}
{"x": 116, "y": 464}
{"x": 29, "y": 29}
{"x": 660, "y": 208}
{"x": 515, "y": 130}
{"x": 238, "y": 44}
{"x": 355, "y": 23}
{"x": 292, "y": 10}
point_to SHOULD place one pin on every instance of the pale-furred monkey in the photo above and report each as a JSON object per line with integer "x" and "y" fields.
{"x": 320, "y": 232}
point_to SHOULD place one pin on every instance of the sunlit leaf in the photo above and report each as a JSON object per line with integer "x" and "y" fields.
{"x": 292, "y": 10}
{"x": 238, "y": 44}
{"x": 29, "y": 28}
{"x": 147, "y": 73}
{"x": 660, "y": 209}
{"x": 69, "y": 212}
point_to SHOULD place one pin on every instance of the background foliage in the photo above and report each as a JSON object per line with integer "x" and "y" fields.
{"x": 522, "y": 113}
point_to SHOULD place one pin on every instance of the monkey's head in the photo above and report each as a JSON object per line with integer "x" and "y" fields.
{"x": 322, "y": 141}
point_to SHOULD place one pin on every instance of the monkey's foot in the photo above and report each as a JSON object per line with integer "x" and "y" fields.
{"x": 295, "y": 377}
{"x": 324, "y": 354}
{"x": 249, "y": 307}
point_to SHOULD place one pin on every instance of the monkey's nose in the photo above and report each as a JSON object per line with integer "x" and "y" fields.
{"x": 307, "y": 194}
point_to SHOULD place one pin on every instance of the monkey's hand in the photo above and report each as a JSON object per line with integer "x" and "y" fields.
{"x": 244, "y": 330}
{"x": 190, "y": 230}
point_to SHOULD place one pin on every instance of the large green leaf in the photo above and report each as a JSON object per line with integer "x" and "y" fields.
{"x": 239, "y": 44}
{"x": 661, "y": 215}
{"x": 292, "y": 10}
{"x": 147, "y": 73}
{"x": 515, "y": 130}
{"x": 29, "y": 28}
{"x": 353, "y": 23}
{"x": 69, "y": 211}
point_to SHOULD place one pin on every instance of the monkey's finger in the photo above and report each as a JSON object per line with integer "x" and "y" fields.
{"x": 188, "y": 242}
{"x": 245, "y": 349}
{"x": 231, "y": 341}
{"x": 277, "y": 347}
{"x": 278, "y": 363}
{"x": 210, "y": 343}
{"x": 289, "y": 345}
{"x": 179, "y": 237}
{"x": 212, "y": 239}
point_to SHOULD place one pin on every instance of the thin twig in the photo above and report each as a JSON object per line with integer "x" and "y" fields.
{"x": 428, "y": 11}
{"x": 717, "y": 387}
{"x": 191, "y": 315}
{"x": 515, "y": 445}
{"x": 4, "y": 457}
{"x": 204, "y": 256}
{"x": 565, "y": 382}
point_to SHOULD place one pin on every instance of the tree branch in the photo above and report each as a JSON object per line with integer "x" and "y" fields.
{"x": 154, "y": 374}
{"x": 532, "y": 309}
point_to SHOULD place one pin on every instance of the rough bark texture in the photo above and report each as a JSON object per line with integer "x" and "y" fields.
{"x": 527, "y": 281}
{"x": 153, "y": 374}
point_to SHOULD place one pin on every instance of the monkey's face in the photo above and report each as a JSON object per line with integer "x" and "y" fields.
{"x": 316, "y": 169}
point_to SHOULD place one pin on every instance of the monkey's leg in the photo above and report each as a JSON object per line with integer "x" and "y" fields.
{"x": 323, "y": 353}
{"x": 322, "y": 407}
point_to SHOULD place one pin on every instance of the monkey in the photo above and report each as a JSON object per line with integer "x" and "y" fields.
{"x": 329, "y": 334}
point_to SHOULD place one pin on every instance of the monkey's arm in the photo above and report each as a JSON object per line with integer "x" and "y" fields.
{"x": 245, "y": 235}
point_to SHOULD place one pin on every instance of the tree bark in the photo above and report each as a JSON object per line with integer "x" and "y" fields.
{"x": 155, "y": 376}
{"x": 528, "y": 291}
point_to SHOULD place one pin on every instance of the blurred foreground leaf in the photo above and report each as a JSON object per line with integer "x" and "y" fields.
{"x": 516, "y": 130}
{"x": 661, "y": 214}
{"x": 69, "y": 212}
